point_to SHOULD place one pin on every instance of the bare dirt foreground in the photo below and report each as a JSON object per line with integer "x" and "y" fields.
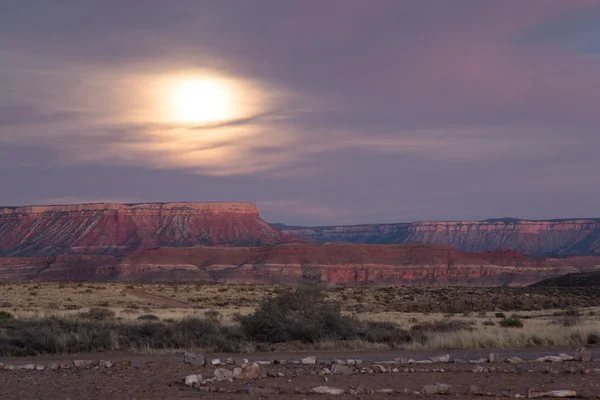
{"x": 158, "y": 377}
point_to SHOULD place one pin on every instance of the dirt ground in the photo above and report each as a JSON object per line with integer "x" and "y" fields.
{"x": 160, "y": 379}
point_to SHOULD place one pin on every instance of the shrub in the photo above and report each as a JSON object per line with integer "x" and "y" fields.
{"x": 98, "y": 314}
{"x": 443, "y": 326}
{"x": 148, "y": 317}
{"x": 500, "y": 315}
{"x": 299, "y": 314}
{"x": 5, "y": 316}
{"x": 213, "y": 315}
{"x": 6, "y": 304}
{"x": 489, "y": 323}
{"x": 511, "y": 323}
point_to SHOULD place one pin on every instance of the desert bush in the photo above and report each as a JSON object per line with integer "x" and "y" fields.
{"x": 593, "y": 338}
{"x": 213, "y": 315}
{"x": 52, "y": 335}
{"x": 443, "y": 326}
{"x": 6, "y": 304}
{"x": 500, "y": 315}
{"x": 301, "y": 314}
{"x": 488, "y": 323}
{"x": 148, "y": 317}
{"x": 511, "y": 323}
{"x": 98, "y": 314}
{"x": 5, "y": 316}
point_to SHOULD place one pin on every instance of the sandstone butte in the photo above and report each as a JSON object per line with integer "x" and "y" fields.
{"x": 228, "y": 242}
{"x": 122, "y": 228}
{"x": 553, "y": 237}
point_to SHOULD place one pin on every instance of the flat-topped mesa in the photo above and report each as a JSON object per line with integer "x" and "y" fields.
{"x": 553, "y": 237}
{"x": 121, "y": 228}
{"x": 179, "y": 207}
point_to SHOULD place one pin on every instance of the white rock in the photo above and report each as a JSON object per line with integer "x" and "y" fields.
{"x": 549, "y": 359}
{"x": 438, "y": 388}
{"x": 264, "y": 362}
{"x": 215, "y": 361}
{"x": 536, "y": 393}
{"x": 222, "y": 374}
{"x": 441, "y": 359}
{"x": 191, "y": 379}
{"x": 514, "y": 360}
{"x": 309, "y": 360}
{"x": 583, "y": 354}
{"x": 566, "y": 357}
{"x": 193, "y": 358}
{"x": 28, "y": 367}
{"x": 341, "y": 369}
{"x": 327, "y": 390}
{"x": 40, "y": 367}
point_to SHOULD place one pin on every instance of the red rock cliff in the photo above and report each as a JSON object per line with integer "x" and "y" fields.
{"x": 564, "y": 237}
{"x": 347, "y": 264}
{"x": 119, "y": 228}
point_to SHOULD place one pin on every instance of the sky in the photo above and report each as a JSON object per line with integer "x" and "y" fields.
{"x": 320, "y": 111}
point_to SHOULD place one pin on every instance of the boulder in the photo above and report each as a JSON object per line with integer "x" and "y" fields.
{"x": 341, "y": 369}
{"x": 247, "y": 372}
{"x": 327, "y": 390}
{"x": 223, "y": 374}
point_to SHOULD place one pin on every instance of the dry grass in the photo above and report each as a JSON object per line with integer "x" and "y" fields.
{"x": 405, "y": 307}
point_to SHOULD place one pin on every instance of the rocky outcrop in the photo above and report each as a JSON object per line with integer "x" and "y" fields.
{"x": 557, "y": 237}
{"x": 348, "y": 264}
{"x": 121, "y": 228}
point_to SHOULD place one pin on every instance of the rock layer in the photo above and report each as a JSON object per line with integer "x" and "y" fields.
{"x": 121, "y": 228}
{"x": 349, "y": 264}
{"x": 556, "y": 237}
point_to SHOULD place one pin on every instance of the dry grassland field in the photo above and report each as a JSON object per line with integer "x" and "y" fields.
{"x": 395, "y": 317}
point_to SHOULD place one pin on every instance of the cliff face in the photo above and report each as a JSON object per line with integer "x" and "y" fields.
{"x": 120, "y": 228}
{"x": 294, "y": 263}
{"x": 564, "y": 237}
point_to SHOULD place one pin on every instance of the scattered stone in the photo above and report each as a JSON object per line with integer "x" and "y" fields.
{"x": 325, "y": 371}
{"x": 340, "y": 361}
{"x": 475, "y": 390}
{"x": 247, "y": 372}
{"x": 342, "y": 369}
{"x": 480, "y": 361}
{"x": 203, "y": 387}
{"x": 438, "y": 388}
{"x": 7, "y": 367}
{"x": 441, "y": 359}
{"x": 583, "y": 354}
{"x": 28, "y": 367}
{"x": 263, "y": 362}
{"x": 82, "y": 363}
{"x": 550, "y": 359}
{"x": 105, "y": 364}
{"x": 478, "y": 369}
{"x": 385, "y": 391}
{"x": 279, "y": 362}
{"x": 122, "y": 363}
{"x": 566, "y": 357}
{"x": 523, "y": 368}
{"x": 327, "y": 390}
{"x": 65, "y": 366}
{"x": 514, "y": 360}
{"x": 215, "y": 361}
{"x": 380, "y": 368}
{"x": 354, "y": 362}
{"x": 40, "y": 367}
{"x": 309, "y": 360}
{"x": 400, "y": 360}
{"x": 424, "y": 362}
{"x": 536, "y": 393}
{"x": 259, "y": 391}
{"x": 191, "y": 379}
{"x": 194, "y": 359}
{"x": 222, "y": 374}
{"x": 230, "y": 361}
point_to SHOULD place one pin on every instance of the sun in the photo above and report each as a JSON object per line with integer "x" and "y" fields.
{"x": 201, "y": 101}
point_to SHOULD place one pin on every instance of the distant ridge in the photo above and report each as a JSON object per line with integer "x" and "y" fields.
{"x": 546, "y": 237}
